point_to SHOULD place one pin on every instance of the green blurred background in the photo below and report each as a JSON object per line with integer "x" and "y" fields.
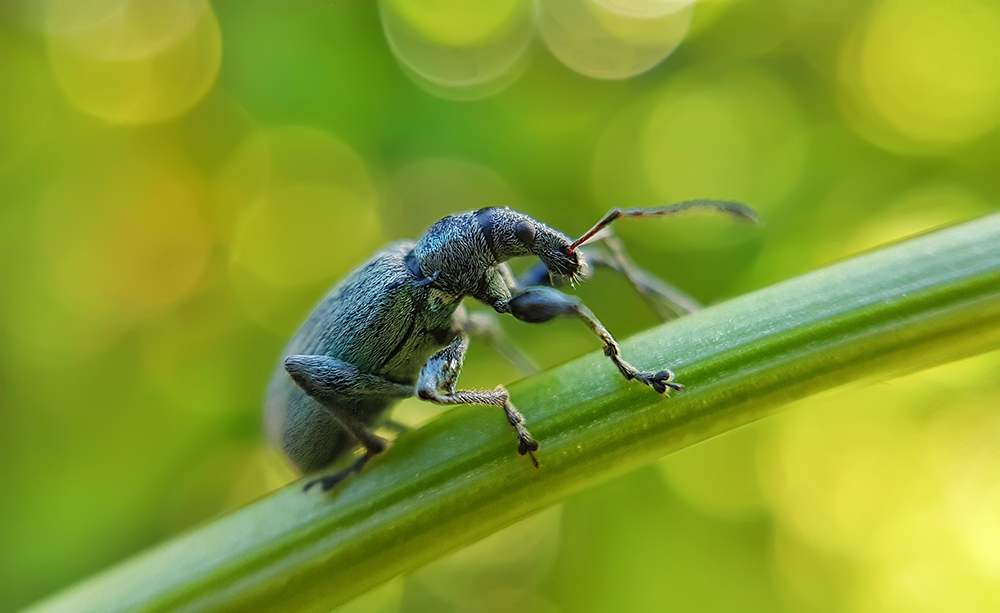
{"x": 180, "y": 181}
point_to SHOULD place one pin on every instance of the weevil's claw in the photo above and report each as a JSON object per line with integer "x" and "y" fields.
{"x": 528, "y": 447}
{"x": 660, "y": 381}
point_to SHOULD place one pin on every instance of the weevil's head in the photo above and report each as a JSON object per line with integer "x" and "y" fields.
{"x": 459, "y": 249}
{"x": 515, "y": 234}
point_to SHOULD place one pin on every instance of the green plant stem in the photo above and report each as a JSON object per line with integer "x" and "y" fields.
{"x": 923, "y": 302}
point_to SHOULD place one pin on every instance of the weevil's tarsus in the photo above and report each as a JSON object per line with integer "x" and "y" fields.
{"x": 525, "y": 444}
{"x": 738, "y": 211}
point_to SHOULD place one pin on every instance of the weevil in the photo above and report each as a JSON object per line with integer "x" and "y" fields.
{"x": 396, "y": 327}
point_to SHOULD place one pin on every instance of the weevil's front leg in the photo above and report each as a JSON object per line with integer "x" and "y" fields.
{"x": 437, "y": 384}
{"x": 666, "y": 300}
{"x": 333, "y": 383}
{"x": 540, "y": 304}
{"x": 485, "y": 325}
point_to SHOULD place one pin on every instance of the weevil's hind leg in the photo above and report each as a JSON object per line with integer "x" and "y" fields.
{"x": 540, "y": 304}
{"x": 321, "y": 376}
{"x": 437, "y": 384}
{"x": 486, "y": 326}
{"x": 607, "y": 251}
{"x": 334, "y": 384}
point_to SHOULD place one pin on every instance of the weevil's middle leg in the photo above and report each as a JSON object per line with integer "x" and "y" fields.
{"x": 437, "y": 384}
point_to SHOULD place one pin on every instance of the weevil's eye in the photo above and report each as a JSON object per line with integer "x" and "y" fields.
{"x": 525, "y": 233}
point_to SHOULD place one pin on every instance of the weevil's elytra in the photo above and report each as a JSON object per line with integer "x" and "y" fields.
{"x": 396, "y": 327}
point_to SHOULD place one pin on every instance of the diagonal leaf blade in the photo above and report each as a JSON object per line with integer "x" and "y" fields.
{"x": 926, "y": 301}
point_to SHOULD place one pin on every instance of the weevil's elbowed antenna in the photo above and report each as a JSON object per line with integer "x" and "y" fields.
{"x": 740, "y": 212}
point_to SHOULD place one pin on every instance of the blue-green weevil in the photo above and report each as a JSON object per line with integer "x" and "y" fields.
{"x": 396, "y": 327}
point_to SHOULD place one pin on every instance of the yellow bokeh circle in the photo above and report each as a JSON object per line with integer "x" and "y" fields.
{"x": 729, "y": 135}
{"x": 458, "y": 23}
{"x": 612, "y": 39}
{"x": 134, "y": 61}
{"x": 925, "y": 74}
{"x": 304, "y": 233}
{"x": 642, "y": 22}
{"x": 25, "y": 103}
{"x": 920, "y": 209}
{"x": 459, "y": 50}
{"x": 125, "y": 243}
{"x": 967, "y": 445}
{"x": 736, "y": 136}
{"x": 299, "y": 210}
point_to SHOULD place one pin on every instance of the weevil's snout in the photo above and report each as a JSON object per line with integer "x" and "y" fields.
{"x": 553, "y": 249}
{"x": 562, "y": 263}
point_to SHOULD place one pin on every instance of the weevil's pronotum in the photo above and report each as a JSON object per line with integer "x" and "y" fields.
{"x": 396, "y": 327}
